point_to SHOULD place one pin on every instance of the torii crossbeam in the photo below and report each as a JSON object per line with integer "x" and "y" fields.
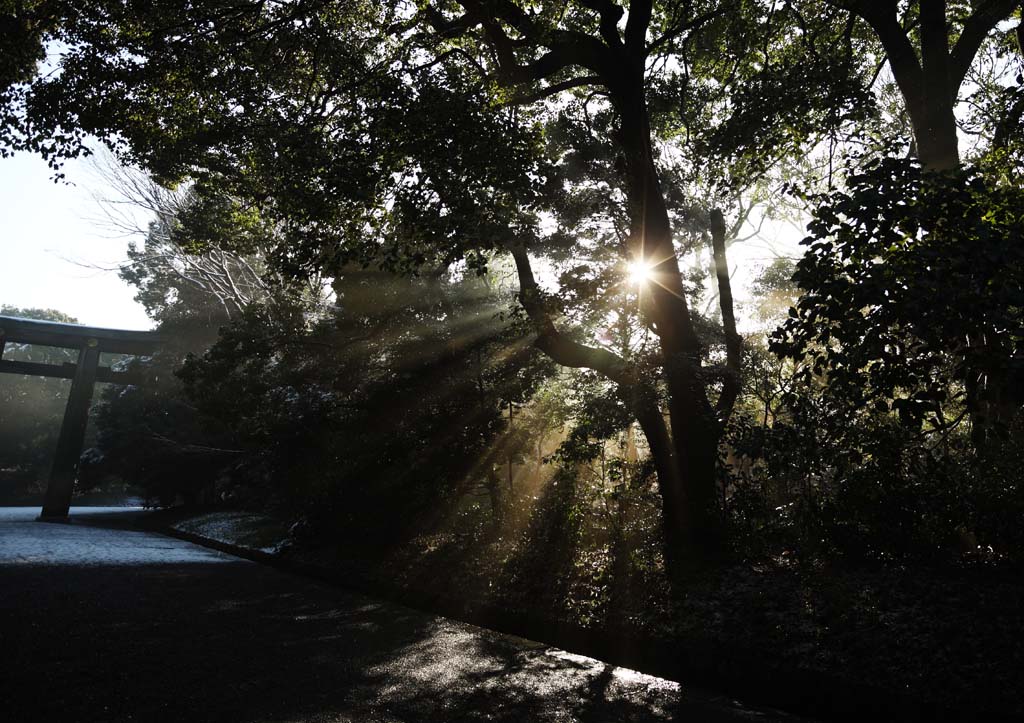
{"x": 90, "y": 343}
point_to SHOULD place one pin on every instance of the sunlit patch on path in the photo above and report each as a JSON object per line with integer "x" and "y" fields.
{"x": 23, "y": 541}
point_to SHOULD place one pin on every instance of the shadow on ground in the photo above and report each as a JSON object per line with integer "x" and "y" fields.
{"x": 214, "y": 639}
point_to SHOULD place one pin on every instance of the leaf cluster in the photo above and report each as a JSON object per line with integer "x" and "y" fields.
{"x": 913, "y": 284}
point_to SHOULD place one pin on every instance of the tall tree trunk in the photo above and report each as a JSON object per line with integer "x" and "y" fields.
{"x": 930, "y": 85}
{"x": 688, "y": 490}
{"x": 675, "y": 520}
{"x": 686, "y": 459}
{"x": 935, "y": 124}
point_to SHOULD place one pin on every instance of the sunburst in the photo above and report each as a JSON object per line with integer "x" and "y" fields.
{"x": 638, "y": 273}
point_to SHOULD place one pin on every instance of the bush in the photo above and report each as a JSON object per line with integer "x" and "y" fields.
{"x": 876, "y": 490}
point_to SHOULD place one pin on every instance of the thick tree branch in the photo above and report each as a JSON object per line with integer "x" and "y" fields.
{"x": 881, "y": 16}
{"x": 641, "y": 398}
{"x": 562, "y": 49}
{"x": 555, "y": 344}
{"x": 610, "y": 14}
{"x": 559, "y": 58}
{"x": 637, "y": 23}
{"x": 514, "y": 16}
{"x": 553, "y": 89}
{"x": 450, "y": 28}
{"x": 733, "y": 341}
{"x": 566, "y": 50}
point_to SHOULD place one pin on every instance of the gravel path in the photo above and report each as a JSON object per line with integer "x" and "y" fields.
{"x": 99, "y": 622}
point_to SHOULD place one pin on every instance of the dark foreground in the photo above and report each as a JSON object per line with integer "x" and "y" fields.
{"x": 99, "y": 622}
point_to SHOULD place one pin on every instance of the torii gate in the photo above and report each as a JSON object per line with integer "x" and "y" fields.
{"x": 90, "y": 342}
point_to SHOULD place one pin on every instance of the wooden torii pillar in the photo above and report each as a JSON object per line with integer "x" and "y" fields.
{"x": 90, "y": 343}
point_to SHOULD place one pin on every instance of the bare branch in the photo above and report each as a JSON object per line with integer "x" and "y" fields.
{"x": 980, "y": 23}
{"x": 553, "y": 89}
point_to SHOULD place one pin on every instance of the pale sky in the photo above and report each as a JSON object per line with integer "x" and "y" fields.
{"x": 52, "y": 239}
{"x": 45, "y": 228}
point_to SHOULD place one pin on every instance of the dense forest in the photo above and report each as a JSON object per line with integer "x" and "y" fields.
{"x": 450, "y": 287}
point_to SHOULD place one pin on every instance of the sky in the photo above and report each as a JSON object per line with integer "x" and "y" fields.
{"x": 56, "y": 252}
{"x": 51, "y": 233}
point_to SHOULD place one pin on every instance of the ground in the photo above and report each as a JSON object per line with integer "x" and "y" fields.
{"x": 850, "y": 642}
{"x": 101, "y": 622}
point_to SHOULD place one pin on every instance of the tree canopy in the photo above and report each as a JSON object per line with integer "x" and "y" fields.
{"x": 584, "y": 138}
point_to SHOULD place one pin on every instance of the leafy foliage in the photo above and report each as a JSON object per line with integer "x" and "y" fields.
{"x": 345, "y": 421}
{"x": 863, "y": 487}
{"x": 913, "y": 295}
{"x": 908, "y": 328}
{"x": 325, "y": 139}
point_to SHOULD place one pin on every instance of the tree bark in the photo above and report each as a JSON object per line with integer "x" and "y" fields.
{"x": 689, "y": 490}
{"x": 686, "y": 459}
{"x": 684, "y": 531}
{"x": 733, "y": 341}
{"x": 676, "y": 519}
{"x": 929, "y": 86}
{"x": 935, "y": 128}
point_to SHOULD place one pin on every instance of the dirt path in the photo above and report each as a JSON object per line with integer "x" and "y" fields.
{"x": 103, "y": 623}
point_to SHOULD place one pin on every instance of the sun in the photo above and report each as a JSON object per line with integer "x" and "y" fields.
{"x": 638, "y": 272}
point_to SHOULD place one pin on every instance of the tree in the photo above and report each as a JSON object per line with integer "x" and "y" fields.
{"x": 24, "y": 30}
{"x": 899, "y": 240}
{"x": 601, "y": 47}
{"x": 931, "y": 266}
{"x": 406, "y": 136}
{"x": 191, "y": 287}
{"x": 930, "y": 75}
